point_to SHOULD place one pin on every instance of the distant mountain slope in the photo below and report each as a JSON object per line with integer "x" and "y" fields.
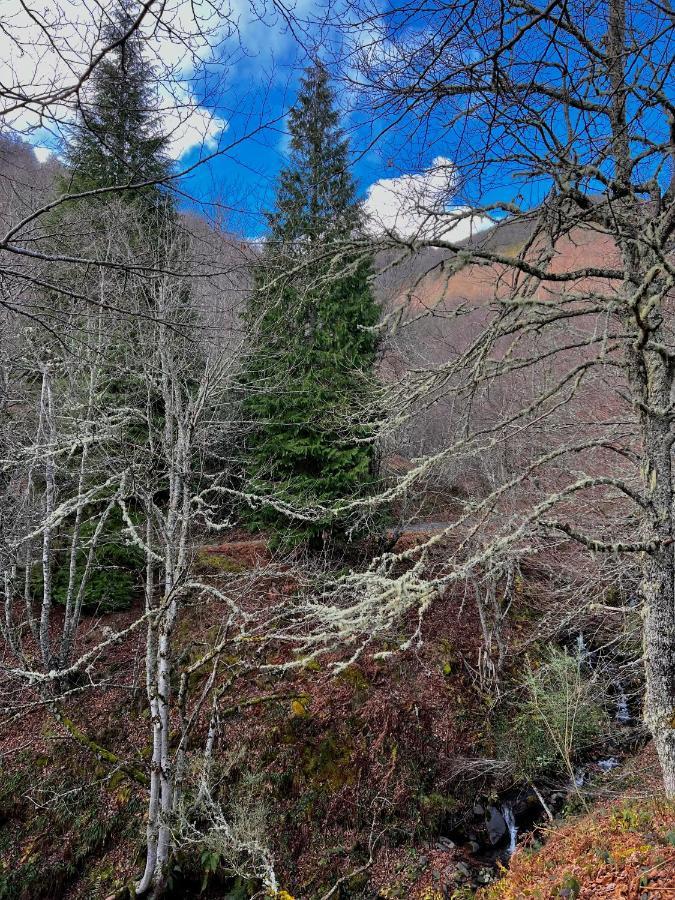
{"x": 24, "y": 181}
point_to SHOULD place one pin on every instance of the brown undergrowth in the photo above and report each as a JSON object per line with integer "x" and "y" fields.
{"x": 621, "y": 849}
{"x": 343, "y": 764}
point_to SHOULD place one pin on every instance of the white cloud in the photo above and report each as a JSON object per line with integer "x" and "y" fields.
{"x": 46, "y": 46}
{"x": 42, "y": 153}
{"x": 188, "y": 124}
{"x": 419, "y": 205}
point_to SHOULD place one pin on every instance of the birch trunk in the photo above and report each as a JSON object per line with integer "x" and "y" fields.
{"x": 47, "y": 433}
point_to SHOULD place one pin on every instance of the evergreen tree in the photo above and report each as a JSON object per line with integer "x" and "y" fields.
{"x": 117, "y": 139}
{"x": 116, "y": 142}
{"x": 315, "y": 347}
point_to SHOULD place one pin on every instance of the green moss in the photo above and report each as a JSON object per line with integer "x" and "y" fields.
{"x": 300, "y": 706}
{"x": 354, "y": 676}
{"x": 207, "y": 562}
{"x": 312, "y": 665}
{"x": 434, "y": 809}
{"x": 329, "y": 764}
{"x": 116, "y": 779}
{"x": 446, "y": 802}
{"x": 357, "y": 884}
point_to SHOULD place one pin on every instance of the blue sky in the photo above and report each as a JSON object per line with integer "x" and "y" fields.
{"x": 248, "y": 76}
{"x": 210, "y": 98}
{"x": 259, "y": 85}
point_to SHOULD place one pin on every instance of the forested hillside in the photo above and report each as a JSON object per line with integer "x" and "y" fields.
{"x": 337, "y": 547}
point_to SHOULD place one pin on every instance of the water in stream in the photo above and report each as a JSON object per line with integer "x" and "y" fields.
{"x": 510, "y": 819}
{"x": 622, "y": 712}
{"x": 490, "y": 838}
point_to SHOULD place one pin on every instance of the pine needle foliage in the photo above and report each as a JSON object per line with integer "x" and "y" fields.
{"x": 313, "y": 316}
{"x": 117, "y": 140}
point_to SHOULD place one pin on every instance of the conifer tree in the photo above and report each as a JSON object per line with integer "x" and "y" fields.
{"x": 313, "y": 313}
{"x": 117, "y": 139}
{"x": 116, "y": 142}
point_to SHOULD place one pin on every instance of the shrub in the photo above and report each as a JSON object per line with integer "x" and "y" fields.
{"x": 560, "y": 715}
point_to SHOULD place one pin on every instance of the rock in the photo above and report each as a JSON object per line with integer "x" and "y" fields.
{"x": 496, "y": 826}
{"x": 473, "y": 846}
{"x": 479, "y": 809}
{"x": 525, "y": 803}
{"x": 484, "y": 876}
{"x": 463, "y": 869}
{"x": 444, "y": 843}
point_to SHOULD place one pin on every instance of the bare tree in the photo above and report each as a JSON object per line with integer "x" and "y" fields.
{"x": 117, "y": 411}
{"x": 571, "y": 329}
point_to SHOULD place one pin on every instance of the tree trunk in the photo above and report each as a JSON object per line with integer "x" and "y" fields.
{"x": 659, "y": 605}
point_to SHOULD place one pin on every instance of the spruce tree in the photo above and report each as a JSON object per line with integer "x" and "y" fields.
{"x": 117, "y": 139}
{"x": 116, "y": 142}
{"x": 313, "y": 313}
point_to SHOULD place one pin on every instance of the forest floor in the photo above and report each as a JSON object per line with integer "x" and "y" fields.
{"x": 364, "y": 776}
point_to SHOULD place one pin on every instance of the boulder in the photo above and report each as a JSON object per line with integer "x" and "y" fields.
{"x": 496, "y": 826}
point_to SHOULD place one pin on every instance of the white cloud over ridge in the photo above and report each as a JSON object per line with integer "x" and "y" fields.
{"x": 419, "y": 205}
{"x": 42, "y": 154}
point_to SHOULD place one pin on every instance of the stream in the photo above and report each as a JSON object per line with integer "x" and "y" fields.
{"x": 489, "y": 836}
{"x": 510, "y": 819}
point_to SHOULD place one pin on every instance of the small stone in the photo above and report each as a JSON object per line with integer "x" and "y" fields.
{"x": 444, "y": 843}
{"x": 474, "y": 846}
{"x": 463, "y": 870}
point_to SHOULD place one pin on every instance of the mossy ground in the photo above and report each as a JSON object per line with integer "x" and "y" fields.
{"x": 61, "y": 822}
{"x": 335, "y": 761}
